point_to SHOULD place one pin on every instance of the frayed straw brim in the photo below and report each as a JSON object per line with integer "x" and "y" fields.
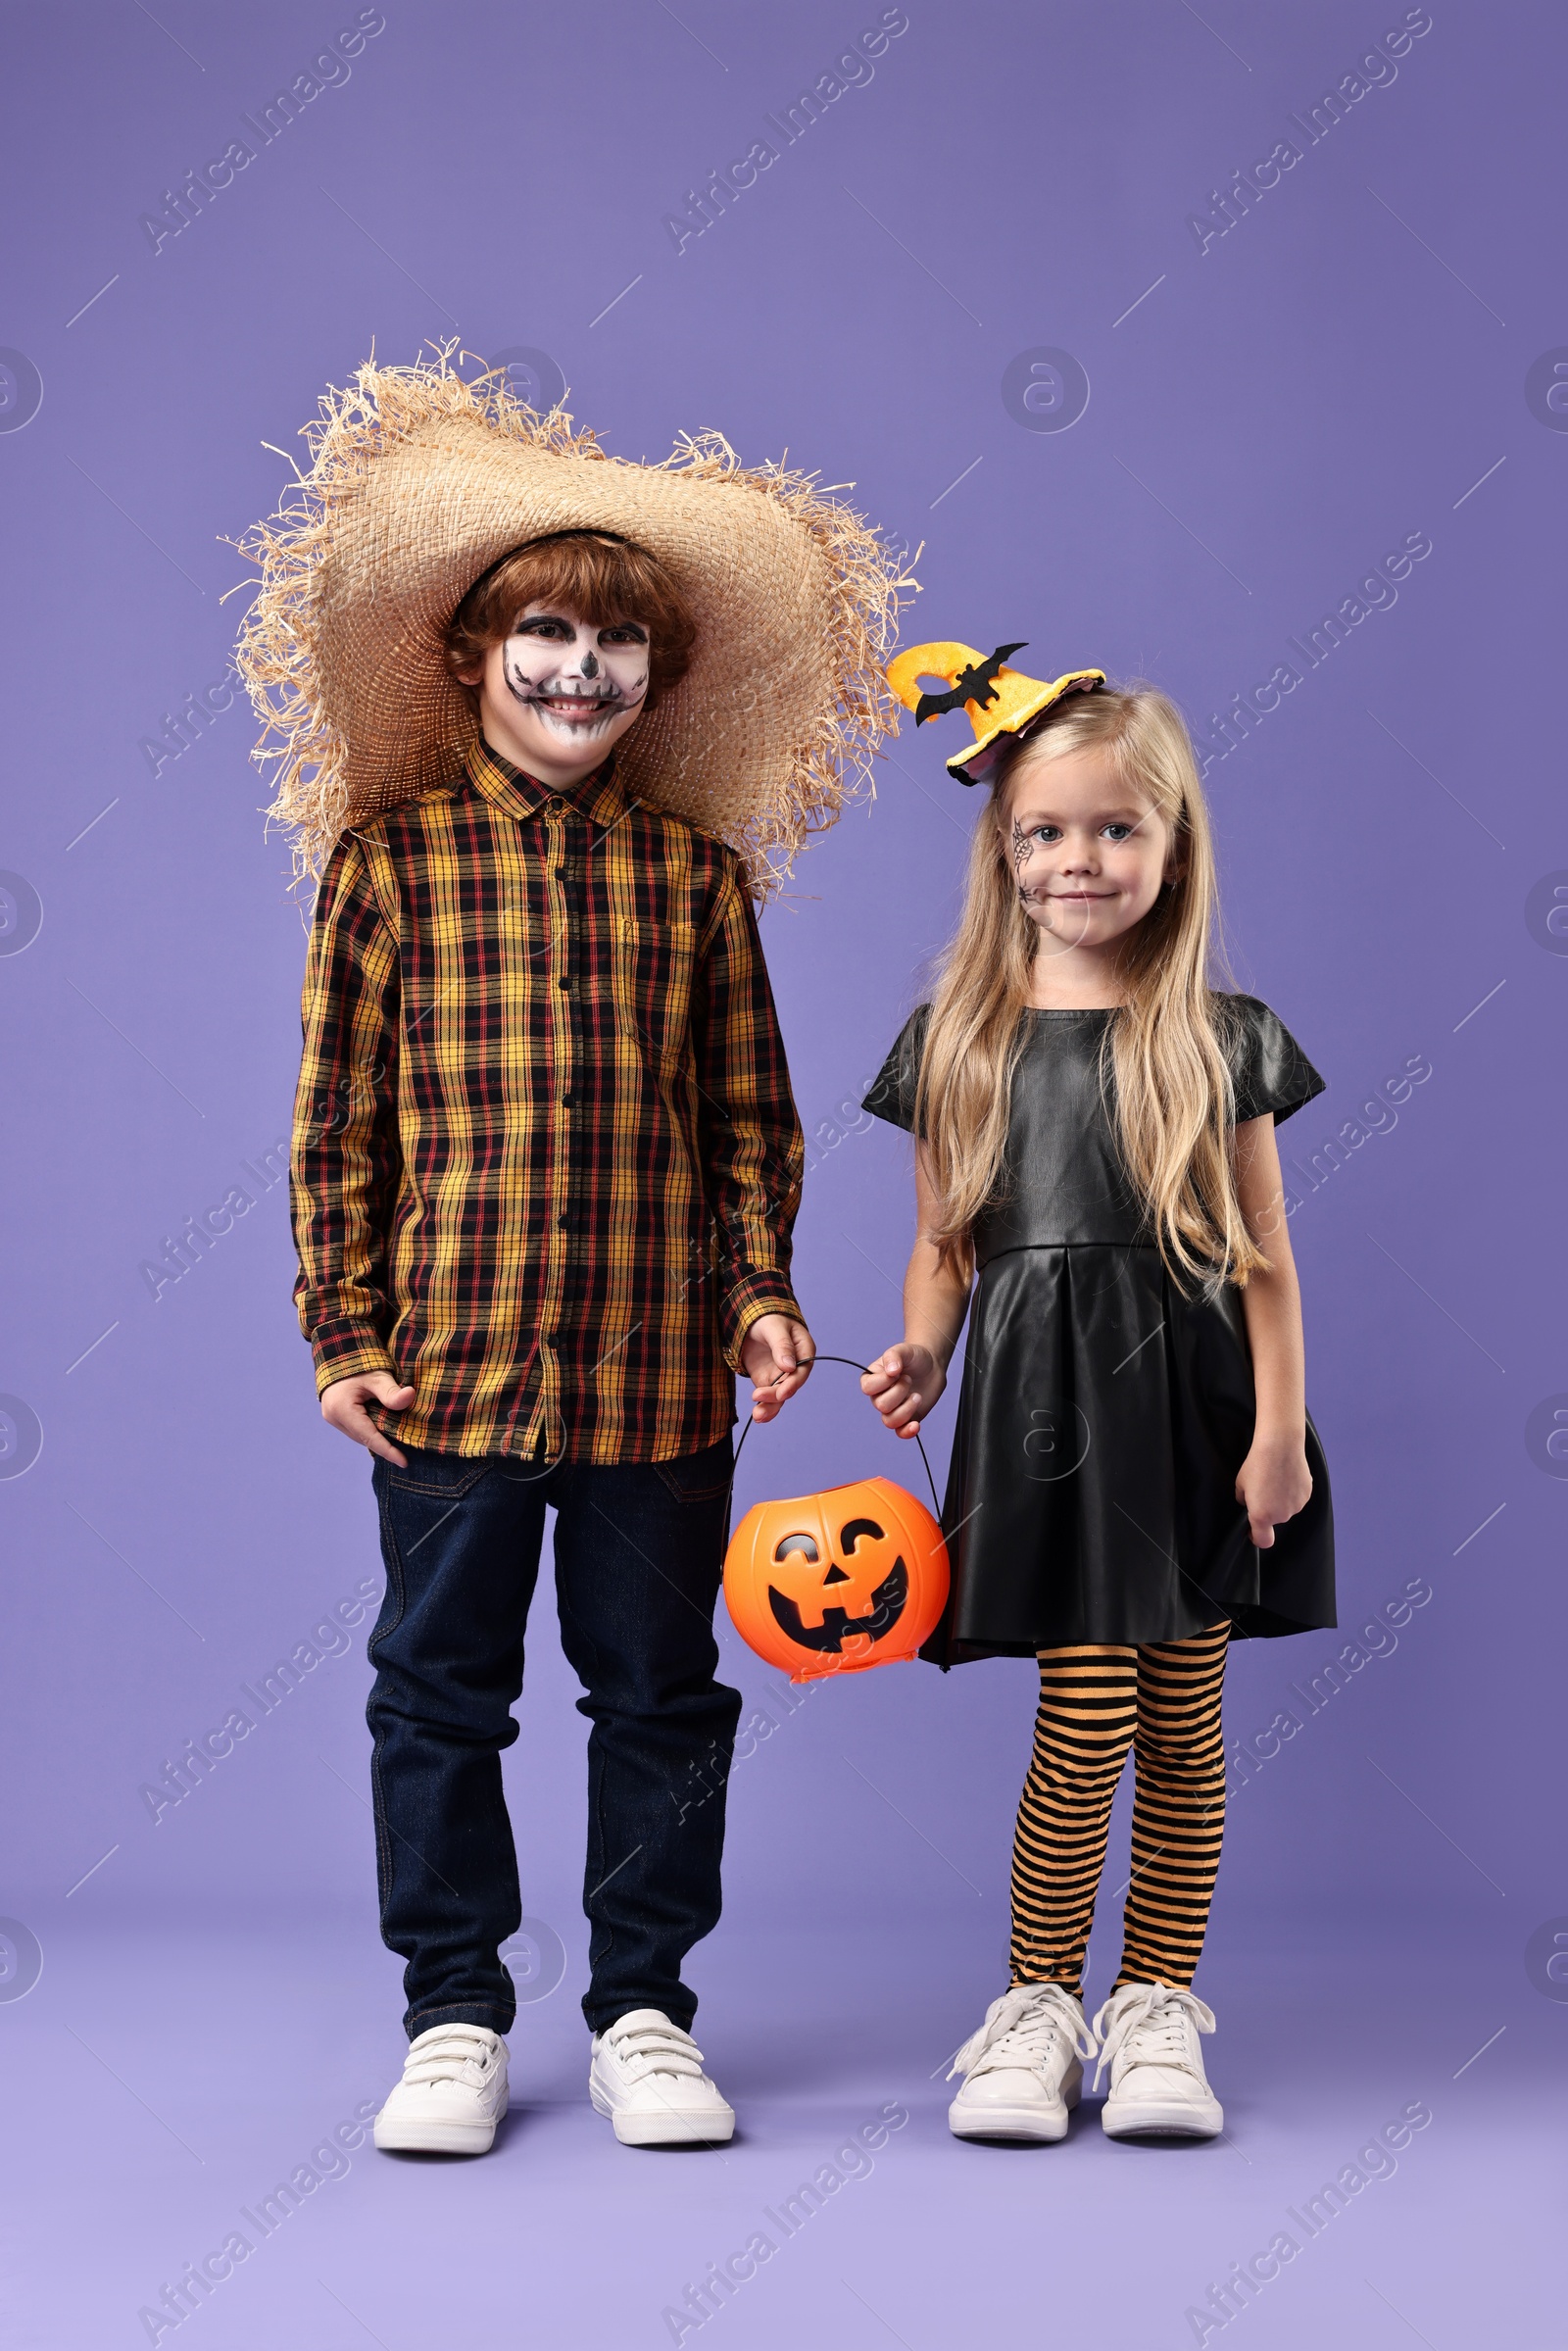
{"x": 419, "y": 481}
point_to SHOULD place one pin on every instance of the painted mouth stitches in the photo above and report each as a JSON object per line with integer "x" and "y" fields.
{"x": 580, "y": 714}
{"x": 591, "y": 690}
{"x": 566, "y": 722}
{"x": 579, "y": 703}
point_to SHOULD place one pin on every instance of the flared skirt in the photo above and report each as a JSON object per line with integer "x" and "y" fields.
{"x": 1102, "y": 1422}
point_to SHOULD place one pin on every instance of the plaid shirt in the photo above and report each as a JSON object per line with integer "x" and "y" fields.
{"x": 545, "y": 1158}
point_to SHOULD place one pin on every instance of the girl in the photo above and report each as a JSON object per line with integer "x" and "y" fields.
{"x": 1135, "y": 1477}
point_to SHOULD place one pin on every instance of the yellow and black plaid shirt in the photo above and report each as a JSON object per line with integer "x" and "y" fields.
{"x": 545, "y": 1158}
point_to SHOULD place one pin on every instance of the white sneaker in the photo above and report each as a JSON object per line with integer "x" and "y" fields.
{"x": 452, "y": 2095}
{"x": 1020, "y": 2070}
{"x": 1148, "y": 2038}
{"x": 647, "y": 2076}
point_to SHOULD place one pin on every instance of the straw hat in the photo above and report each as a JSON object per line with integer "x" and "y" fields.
{"x": 419, "y": 481}
{"x": 998, "y": 701}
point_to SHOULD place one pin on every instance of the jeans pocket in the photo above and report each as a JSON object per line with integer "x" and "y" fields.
{"x": 452, "y": 1475}
{"x": 702, "y": 1477}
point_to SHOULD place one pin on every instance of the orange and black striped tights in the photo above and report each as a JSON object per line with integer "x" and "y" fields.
{"x": 1096, "y": 1700}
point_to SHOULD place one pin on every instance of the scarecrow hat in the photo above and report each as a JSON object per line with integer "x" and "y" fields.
{"x": 998, "y": 701}
{"x": 421, "y": 480}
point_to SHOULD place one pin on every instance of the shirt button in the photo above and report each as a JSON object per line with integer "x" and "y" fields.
{"x": 564, "y": 983}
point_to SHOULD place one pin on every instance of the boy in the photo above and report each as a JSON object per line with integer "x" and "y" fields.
{"x": 545, "y": 1156}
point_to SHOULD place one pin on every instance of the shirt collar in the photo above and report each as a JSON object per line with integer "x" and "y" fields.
{"x": 598, "y": 796}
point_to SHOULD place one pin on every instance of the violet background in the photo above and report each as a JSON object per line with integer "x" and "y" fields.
{"x": 1266, "y": 420}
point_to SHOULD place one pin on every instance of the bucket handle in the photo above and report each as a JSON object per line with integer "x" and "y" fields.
{"x": 864, "y": 1369}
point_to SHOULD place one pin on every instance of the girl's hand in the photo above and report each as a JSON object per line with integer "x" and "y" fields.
{"x": 904, "y": 1385}
{"x": 1272, "y": 1483}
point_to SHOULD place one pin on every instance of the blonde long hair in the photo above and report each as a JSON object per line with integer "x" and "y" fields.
{"x": 1165, "y": 1070}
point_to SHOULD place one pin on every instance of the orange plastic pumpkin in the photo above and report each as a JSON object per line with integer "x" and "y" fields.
{"x": 832, "y": 1583}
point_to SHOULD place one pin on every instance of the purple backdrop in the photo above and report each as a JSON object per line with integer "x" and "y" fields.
{"x": 1169, "y": 371}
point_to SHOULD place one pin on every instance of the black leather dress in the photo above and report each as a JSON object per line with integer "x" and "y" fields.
{"x": 1104, "y": 1416}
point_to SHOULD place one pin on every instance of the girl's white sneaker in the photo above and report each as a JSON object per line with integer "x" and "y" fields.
{"x": 1148, "y": 2035}
{"x": 647, "y": 2076}
{"x": 1021, "y": 2071}
{"x": 452, "y": 2095}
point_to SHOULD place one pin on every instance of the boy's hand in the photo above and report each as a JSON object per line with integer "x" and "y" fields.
{"x": 1272, "y": 1483}
{"x": 904, "y": 1385}
{"x": 343, "y": 1404}
{"x": 776, "y": 1355}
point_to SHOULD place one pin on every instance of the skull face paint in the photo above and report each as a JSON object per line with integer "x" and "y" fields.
{"x": 582, "y": 685}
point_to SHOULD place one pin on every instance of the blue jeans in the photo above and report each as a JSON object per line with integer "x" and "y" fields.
{"x": 638, "y": 1551}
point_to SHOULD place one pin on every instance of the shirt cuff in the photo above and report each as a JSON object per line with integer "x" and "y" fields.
{"x": 745, "y": 1303}
{"x": 343, "y": 1348}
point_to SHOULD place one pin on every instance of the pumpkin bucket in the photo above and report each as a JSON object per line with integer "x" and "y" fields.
{"x": 835, "y": 1582}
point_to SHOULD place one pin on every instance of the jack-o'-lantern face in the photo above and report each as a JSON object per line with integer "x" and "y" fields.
{"x": 862, "y": 1589}
{"x": 831, "y": 1583}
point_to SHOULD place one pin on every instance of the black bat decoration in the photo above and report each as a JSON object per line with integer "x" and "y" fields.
{"x": 977, "y": 683}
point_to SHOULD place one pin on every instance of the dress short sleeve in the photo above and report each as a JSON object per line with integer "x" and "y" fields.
{"x": 891, "y": 1092}
{"x": 1271, "y": 1072}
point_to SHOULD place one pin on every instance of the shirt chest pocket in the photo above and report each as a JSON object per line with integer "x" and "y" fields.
{"x": 655, "y": 965}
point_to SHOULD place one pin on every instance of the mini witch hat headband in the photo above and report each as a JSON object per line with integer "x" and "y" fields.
{"x": 1000, "y": 702}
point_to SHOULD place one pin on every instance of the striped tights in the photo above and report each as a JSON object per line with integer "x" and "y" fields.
{"x": 1096, "y": 1701}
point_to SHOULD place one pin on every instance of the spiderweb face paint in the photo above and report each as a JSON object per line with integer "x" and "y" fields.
{"x": 1024, "y": 846}
{"x": 582, "y": 685}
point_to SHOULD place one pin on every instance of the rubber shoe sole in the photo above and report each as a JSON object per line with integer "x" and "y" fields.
{"x": 668, "y": 2127}
{"x": 1041, "y": 2125}
{"x": 1022, "y": 2122}
{"x": 1175, "y": 2118}
{"x": 407, "y": 2136}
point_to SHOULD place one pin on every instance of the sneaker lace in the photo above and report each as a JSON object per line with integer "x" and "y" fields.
{"x": 451, "y": 2053}
{"x": 657, "y": 2048}
{"x": 1153, "y": 2022}
{"x": 1023, "y": 2028}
